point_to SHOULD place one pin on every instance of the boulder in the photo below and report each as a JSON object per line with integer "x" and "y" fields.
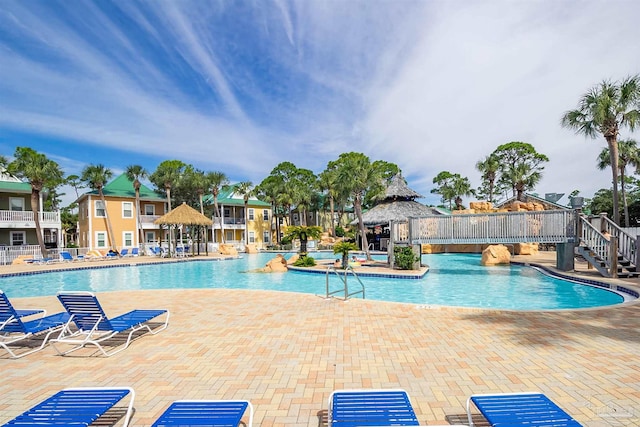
{"x": 251, "y": 248}
{"x": 226, "y": 249}
{"x": 276, "y": 265}
{"x": 496, "y": 254}
{"x": 293, "y": 259}
{"x": 525, "y": 248}
{"x": 481, "y": 206}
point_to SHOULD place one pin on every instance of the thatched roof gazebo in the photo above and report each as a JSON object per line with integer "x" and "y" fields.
{"x": 184, "y": 215}
{"x": 398, "y": 204}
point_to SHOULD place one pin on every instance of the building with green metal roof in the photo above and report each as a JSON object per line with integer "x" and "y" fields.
{"x": 17, "y": 223}
{"x": 234, "y": 227}
{"x": 131, "y": 227}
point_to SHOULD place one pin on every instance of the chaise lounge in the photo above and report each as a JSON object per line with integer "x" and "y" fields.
{"x": 94, "y": 327}
{"x": 351, "y": 408}
{"x": 14, "y": 330}
{"x": 212, "y": 413}
{"x": 520, "y": 409}
{"x": 75, "y": 407}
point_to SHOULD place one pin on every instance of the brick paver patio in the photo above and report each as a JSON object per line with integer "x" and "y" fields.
{"x": 286, "y": 352}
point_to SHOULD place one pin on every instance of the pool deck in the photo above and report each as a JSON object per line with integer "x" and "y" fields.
{"x": 286, "y": 352}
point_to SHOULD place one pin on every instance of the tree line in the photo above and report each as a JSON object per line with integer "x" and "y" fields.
{"x": 354, "y": 180}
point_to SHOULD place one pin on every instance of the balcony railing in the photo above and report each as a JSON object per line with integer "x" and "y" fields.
{"x": 26, "y": 219}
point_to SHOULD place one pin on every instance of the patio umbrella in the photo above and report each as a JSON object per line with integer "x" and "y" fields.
{"x": 183, "y": 215}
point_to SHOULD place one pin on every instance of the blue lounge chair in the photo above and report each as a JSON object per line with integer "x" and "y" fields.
{"x": 67, "y": 257}
{"x": 13, "y": 329}
{"x": 75, "y": 407}
{"x": 94, "y": 327}
{"x": 124, "y": 252}
{"x": 520, "y": 409}
{"x": 8, "y": 311}
{"x": 135, "y": 252}
{"x": 212, "y": 413}
{"x": 351, "y": 408}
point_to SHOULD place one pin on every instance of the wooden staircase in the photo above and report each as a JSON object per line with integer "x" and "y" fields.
{"x": 614, "y": 256}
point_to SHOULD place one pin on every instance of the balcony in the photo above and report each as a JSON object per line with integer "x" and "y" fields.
{"x": 147, "y": 222}
{"x": 25, "y": 219}
{"x": 229, "y": 223}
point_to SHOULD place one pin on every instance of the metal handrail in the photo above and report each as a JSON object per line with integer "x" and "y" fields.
{"x": 344, "y": 281}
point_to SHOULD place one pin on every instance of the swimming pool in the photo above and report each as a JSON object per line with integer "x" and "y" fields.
{"x": 453, "y": 280}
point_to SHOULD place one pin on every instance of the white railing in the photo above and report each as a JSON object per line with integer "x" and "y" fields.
{"x": 595, "y": 241}
{"x": 503, "y": 227}
{"x": 27, "y": 217}
{"x": 626, "y": 242}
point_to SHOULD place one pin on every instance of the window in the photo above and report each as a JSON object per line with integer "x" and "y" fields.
{"x": 228, "y": 236}
{"x": 265, "y": 237}
{"x": 127, "y": 210}
{"x": 100, "y": 212}
{"x": 150, "y": 236}
{"x": 18, "y": 238}
{"x": 227, "y": 213}
{"x": 251, "y": 215}
{"x": 16, "y": 203}
{"x": 101, "y": 239}
{"x": 252, "y": 237}
{"x": 149, "y": 209}
{"x": 265, "y": 214}
{"x": 127, "y": 238}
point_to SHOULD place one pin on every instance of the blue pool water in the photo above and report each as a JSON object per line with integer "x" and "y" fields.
{"x": 453, "y": 280}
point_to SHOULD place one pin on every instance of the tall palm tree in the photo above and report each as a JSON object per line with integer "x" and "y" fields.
{"x": 245, "y": 190}
{"x": 327, "y": 180}
{"x": 604, "y": 110}
{"x": 166, "y": 175}
{"x": 217, "y": 181}
{"x": 135, "y": 173}
{"x": 628, "y": 155}
{"x": 268, "y": 190}
{"x": 357, "y": 175}
{"x": 489, "y": 168}
{"x": 39, "y": 171}
{"x": 97, "y": 177}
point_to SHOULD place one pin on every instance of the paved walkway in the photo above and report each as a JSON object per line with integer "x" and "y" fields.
{"x": 286, "y": 352}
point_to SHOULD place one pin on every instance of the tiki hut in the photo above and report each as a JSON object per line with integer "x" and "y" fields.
{"x": 184, "y": 215}
{"x": 398, "y": 204}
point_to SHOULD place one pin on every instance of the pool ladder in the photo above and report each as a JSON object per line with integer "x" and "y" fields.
{"x": 343, "y": 279}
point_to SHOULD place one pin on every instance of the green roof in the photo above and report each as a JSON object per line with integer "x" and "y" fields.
{"x": 15, "y": 187}
{"x": 123, "y": 187}
{"x": 224, "y": 198}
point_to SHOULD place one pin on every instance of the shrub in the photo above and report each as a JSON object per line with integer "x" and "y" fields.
{"x": 339, "y": 231}
{"x": 404, "y": 257}
{"x": 305, "y": 261}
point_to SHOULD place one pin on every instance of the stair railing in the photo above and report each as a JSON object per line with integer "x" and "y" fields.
{"x": 626, "y": 243}
{"x": 595, "y": 241}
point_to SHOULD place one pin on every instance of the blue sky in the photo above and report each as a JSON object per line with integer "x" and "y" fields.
{"x": 240, "y": 86}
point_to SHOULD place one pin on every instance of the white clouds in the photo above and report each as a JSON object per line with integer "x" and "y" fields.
{"x": 492, "y": 72}
{"x": 242, "y": 86}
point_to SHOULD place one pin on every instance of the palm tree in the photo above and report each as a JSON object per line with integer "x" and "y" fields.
{"x": 97, "y": 176}
{"x": 217, "y": 181}
{"x": 628, "y": 155}
{"x": 357, "y": 175}
{"x": 461, "y": 187}
{"x": 245, "y": 190}
{"x": 135, "y": 173}
{"x": 39, "y": 171}
{"x": 489, "y": 168}
{"x": 604, "y": 110}
{"x": 165, "y": 177}
{"x": 327, "y": 180}
{"x": 303, "y": 233}
{"x": 268, "y": 190}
